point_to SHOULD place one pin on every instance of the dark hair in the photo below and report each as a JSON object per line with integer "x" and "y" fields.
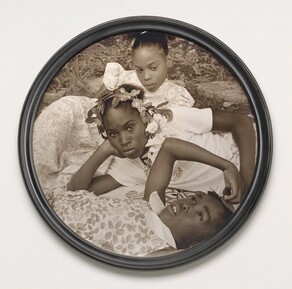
{"x": 151, "y": 38}
{"x": 227, "y": 212}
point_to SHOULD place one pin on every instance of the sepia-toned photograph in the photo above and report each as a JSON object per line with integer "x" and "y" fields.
{"x": 144, "y": 144}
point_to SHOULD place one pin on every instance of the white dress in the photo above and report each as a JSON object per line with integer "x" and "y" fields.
{"x": 193, "y": 125}
{"x": 176, "y": 95}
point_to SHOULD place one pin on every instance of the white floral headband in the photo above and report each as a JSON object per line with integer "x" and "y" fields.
{"x": 150, "y": 115}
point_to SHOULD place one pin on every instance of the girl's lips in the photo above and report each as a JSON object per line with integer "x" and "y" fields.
{"x": 150, "y": 86}
{"x": 173, "y": 209}
{"x": 128, "y": 152}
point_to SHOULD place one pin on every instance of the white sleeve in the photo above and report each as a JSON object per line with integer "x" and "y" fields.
{"x": 115, "y": 75}
{"x": 180, "y": 96}
{"x": 192, "y": 120}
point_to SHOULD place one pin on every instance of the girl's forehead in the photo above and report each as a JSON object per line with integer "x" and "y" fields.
{"x": 117, "y": 116}
{"x": 148, "y": 50}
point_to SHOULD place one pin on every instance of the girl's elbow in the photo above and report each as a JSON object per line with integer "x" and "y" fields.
{"x": 167, "y": 150}
{"x": 242, "y": 122}
{"x": 71, "y": 186}
{"x": 168, "y": 144}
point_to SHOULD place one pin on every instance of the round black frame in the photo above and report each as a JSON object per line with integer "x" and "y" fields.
{"x": 195, "y": 35}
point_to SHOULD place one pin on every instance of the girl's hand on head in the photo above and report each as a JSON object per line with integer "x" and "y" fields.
{"x": 110, "y": 150}
{"x": 234, "y": 186}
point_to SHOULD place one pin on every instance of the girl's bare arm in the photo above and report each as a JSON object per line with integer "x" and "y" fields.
{"x": 243, "y": 133}
{"x": 83, "y": 178}
{"x": 176, "y": 149}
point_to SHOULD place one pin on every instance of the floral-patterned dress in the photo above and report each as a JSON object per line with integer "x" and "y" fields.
{"x": 117, "y": 225}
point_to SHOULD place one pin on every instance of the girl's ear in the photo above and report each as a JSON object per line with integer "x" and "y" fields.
{"x": 103, "y": 135}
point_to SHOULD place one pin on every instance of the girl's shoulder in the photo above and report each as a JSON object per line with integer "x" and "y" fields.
{"x": 176, "y": 94}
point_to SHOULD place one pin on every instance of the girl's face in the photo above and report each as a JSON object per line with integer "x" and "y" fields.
{"x": 192, "y": 220}
{"x": 151, "y": 66}
{"x": 125, "y": 131}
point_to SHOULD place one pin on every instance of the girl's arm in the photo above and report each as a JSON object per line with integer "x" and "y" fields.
{"x": 83, "y": 178}
{"x": 243, "y": 133}
{"x": 176, "y": 149}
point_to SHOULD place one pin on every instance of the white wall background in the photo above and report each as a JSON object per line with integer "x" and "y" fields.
{"x": 259, "y": 256}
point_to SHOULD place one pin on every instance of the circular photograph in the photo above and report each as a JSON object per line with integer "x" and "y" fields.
{"x": 145, "y": 142}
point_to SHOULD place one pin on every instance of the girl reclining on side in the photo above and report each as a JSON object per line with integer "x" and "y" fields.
{"x": 166, "y": 147}
{"x": 134, "y": 133}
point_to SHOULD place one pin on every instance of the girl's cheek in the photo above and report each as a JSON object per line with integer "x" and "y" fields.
{"x": 113, "y": 143}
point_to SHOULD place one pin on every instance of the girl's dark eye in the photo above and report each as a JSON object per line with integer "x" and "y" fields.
{"x": 112, "y": 134}
{"x": 153, "y": 67}
{"x": 139, "y": 70}
{"x": 131, "y": 127}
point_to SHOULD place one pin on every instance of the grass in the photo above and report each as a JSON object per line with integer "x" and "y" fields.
{"x": 191, "y": 65}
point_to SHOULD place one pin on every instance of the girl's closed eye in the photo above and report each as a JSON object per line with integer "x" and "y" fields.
{"x": 153, "y": 68}
{"x": 139, "y": 70}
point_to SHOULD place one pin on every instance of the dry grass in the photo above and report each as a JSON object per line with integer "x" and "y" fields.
{"x": 191, "y": 65}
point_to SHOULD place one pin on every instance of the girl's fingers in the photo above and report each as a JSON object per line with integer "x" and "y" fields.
{"x": 233, "y": 197}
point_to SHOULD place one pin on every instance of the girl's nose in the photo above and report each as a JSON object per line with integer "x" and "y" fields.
{"x": 147, "y": 75}
{"x": 185, "y": 207}
{"x": 124, "y": 139}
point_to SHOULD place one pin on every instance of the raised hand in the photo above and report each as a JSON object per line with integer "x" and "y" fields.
{"x": 234, "y": 186}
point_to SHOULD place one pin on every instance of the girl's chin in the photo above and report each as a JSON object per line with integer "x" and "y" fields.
{"x": 133, "y": 154}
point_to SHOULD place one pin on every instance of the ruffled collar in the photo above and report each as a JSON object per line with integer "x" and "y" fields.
{"x": 157, "y": 91}
{"x": 155, "y": 223}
